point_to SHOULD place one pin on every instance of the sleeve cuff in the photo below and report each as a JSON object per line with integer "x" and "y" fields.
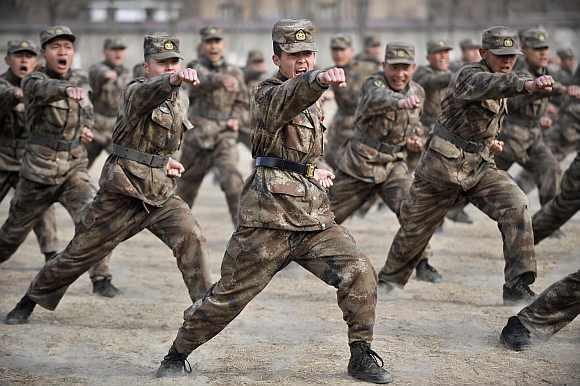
{"x": 313, "y": 78}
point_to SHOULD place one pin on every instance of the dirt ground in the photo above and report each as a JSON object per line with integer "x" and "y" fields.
{"x": 292, "y": 333}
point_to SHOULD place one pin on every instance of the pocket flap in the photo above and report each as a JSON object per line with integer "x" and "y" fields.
{"x": 280, "y": 182}
{"x": 444, "y": 147}
{"x": 162, "y": 117}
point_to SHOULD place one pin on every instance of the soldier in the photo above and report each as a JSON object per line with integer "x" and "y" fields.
{"x": 285, "y": 213}
{"x": 21, "y": 59}
{"x": 387, "y": 125}
{"x": 59, "y": 116}
{"x": 458, "y": 165}
{"x": 554, "y": 308}
{"x": 356, "y": 71}
{"x": 567, "y": 66}
{"x": 108, "y": 79}
{"x": 138, "y": 71}
{"x": 254, "y": 73}
{"x": 522, "y": 132}
{"x": 137, "y": 185}
{"x": 219, "y": 105}
{"x": 371, "y": 51}
{"x": 469, "y": 54}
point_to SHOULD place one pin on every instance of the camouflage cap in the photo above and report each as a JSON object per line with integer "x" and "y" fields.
{"x": 371, "y": 41}
{"x": 501, "y": 41}
{"x": 57, "y": 31}
{"x": 160, "y": 46}
{"x": 438, "y": 45}
{"x": 211, "y": 33}
{"x": 399, "y": 53}
{"x": 341, "y": 41}
{"x": 255, "y": 56}
{"x": 566, "y": 53}
{"x": 15, "y": 46}
{"x": 114, "y": 43}
{"x": 294, "y": 35}
{"x": 469, "y": 43}
{"x": 535, "y": 38}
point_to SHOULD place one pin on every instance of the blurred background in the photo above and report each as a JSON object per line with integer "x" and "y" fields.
{"x": 248, "y": 23}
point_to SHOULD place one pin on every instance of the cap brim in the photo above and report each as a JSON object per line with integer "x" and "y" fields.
{"x": 292, "y": 48}
{"x": 506, "y": 51}
{"x": 70, "y": 37}
{"x": 166, "y": 55}
{"x": 441, "y": 49}
{"x": 117, "y": 47}
{"x": 339, "y": 47}
{"x": 538, "y": 45}
{"x": 399, "y": 61}
{"x": 471, "y": 47}
{"x": 17, "y": 50}
{"x": 213, "y": 37}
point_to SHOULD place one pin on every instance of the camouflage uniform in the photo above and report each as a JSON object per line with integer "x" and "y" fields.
{"x": 458, "y": 165}
{"x": 522, "y": 135}
{"x": 211, "y": 144}
{"x": 135, "y": 192}
{"x": 465, "y": 44}
{"x": 369, "y": 41}
{"x": 285, "y": 216}
{"x": 565, "y": 76}
{"x": 342, "y": 127}
{"x": 138, "y": 71}
{"x": 54, "y": 166}
{"x": 106, "y": 98}
{"x": 252, "y": 79}
{"x": 13, "y": 135}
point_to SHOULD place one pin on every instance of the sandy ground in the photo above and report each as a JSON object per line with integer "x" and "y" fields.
{"x": 293, "y": 332}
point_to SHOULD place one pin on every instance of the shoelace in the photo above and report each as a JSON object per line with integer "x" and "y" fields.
{"x": 374, "y": 356}
{"x": 184, "y": 362}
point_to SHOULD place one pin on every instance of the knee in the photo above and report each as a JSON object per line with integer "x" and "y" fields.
{"x": 361, "y": 275}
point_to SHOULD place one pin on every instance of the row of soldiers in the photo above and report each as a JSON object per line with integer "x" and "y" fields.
{"x": 283, "y": 211}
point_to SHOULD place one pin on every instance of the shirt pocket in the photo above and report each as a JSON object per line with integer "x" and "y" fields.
{"x": 57, "y": 113}
{"x": 278, "y": 182}
{"x": 161, "y": 129}
{"x": 444, "y": 147}
{"x": 299, "y": 134}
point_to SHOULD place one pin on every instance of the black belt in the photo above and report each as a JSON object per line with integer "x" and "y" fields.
{"x": 468, "y": 146}
{"x": 54, "y": 143}
{"x": 13, "y": 143}
{"x": 382, "y": 147}
{"x": 306, "y": 169}
{"x": 152, "y": 160}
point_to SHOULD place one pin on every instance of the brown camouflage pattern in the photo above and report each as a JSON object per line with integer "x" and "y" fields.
{"x": 435, "y": 83}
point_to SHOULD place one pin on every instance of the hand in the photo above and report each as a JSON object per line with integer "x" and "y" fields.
{"x": 233, "y": 124}
{"x": 552, "y": 109}
{"x": 415, "y": 144}
{"x": 111, "y": 75}
{"x": 545, "y": 122}
{"x": 86, "y": 135}
{"x": 18, "y": 94}
{"x": 541, "y": 83}
{"x": 173, "y": 168}
{"x": 230, "y": 83}
{"x": 409, "y": 103}
{"x": 324, "y": 177}
{"x": 327, "y": 96}
{"x": 496, "y": 147}
{"x": 333, "y": 77}
{"x": 75, "y": 93}
{"x": 574, "y": 91}
{"x": 187, "y": 75}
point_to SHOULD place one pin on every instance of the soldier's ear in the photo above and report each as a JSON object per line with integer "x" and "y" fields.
{"x": 276, "y": 60}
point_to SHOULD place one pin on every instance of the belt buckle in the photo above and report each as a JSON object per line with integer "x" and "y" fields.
{"x": 310, "y": 170}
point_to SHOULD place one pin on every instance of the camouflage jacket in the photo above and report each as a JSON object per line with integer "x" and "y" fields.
{"x": 212, "y": 105}
{"x": 152, "y": 119}
{"x": 435, "y": 84}
{"x": 347, "y": 97}
{"x": 286, "y": 124}
{"x": 473, "y": 109}
{"x": 106, "y": 95}
{"x": 369, "y": 60}
{"x": 252, "y": 79}
{"x": 379, "y": 119}
{"x": 13, "y": 132}
{"x": 564, "y": 77}
{"x": 50, "y": 113}
{"x": 455, "y": 65}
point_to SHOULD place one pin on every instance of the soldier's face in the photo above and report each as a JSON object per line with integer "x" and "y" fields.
{"x": 439, "y": 60}
{"x": 398, "y": 75}
{"x": 498, "y": 63}
{"x": 568, "y": 64}
{"x": 295, "y": 64}
{"x": 115, "y": 56}
{"x": 538, "y": 57}
{"x": 22, "y": 63}
{"x": 59, "y": 55}
{"x": 213, "y": 49}
{"x": 374, "y": 52}
{"x": 471, "y": 55}
{"x": 258, "y": 66}
{"x": 153, "y": 67}
{"x": 342, "y": 56}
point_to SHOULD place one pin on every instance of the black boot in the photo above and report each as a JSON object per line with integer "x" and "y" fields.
{"x": 515, "y": 335}
{"x": 426, "y": 272}
{"x": 104, "y": 287}
{"x": 459, "y": 216}
{"x": 49, "y": 256}
{"x": 22, "y": 311}
{"x": 174, "y": 364}
{"x": 363, "y": 364}
{"x": 520, "y": 293}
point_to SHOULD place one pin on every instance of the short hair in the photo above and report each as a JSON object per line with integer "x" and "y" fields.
{"x": 277, "y": 49}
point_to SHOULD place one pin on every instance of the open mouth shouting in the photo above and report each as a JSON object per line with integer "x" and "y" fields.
{"x": 62, "y": 64}
{"x": 300, "y": 71}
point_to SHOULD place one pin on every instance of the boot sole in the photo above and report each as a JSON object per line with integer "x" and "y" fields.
{"x": 15, "y": 321}
{"x": 365, "y": 378}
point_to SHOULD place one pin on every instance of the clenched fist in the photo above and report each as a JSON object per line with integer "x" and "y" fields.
{"x": 187, "y": 75}
{"x": 496, "y": 147}
{"x": 75, "y": 93}
{"x": 324, "y": 177}
{"x": 574, "y": 91}
{"x": 541, "y": 83}
{"x": 333, "y": 77}
{"x": 545, "y": 122}
{"x": 230, "y": 83}
{"x": 415, "y": 144}
{"x": 409, "y": 103}
{"x": 173, "y": 168}
{"x": 233, "y": 124}
{"x": 86, "y": 135}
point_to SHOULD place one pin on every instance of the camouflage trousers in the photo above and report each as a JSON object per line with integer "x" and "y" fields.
{"x": 440, "y": 184}
{"x": 554, "y": 308}
{"x": 112, "y": 218}
{"x": 223, "y": 158}
{"x": 31, "y": 200}
{"x": 254, "y": 255}
{"x": 45, "y": 227}
{"x": 538, "y": 161}
{"x": 556, "y": 212}
{"x": 102, "y": 137}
